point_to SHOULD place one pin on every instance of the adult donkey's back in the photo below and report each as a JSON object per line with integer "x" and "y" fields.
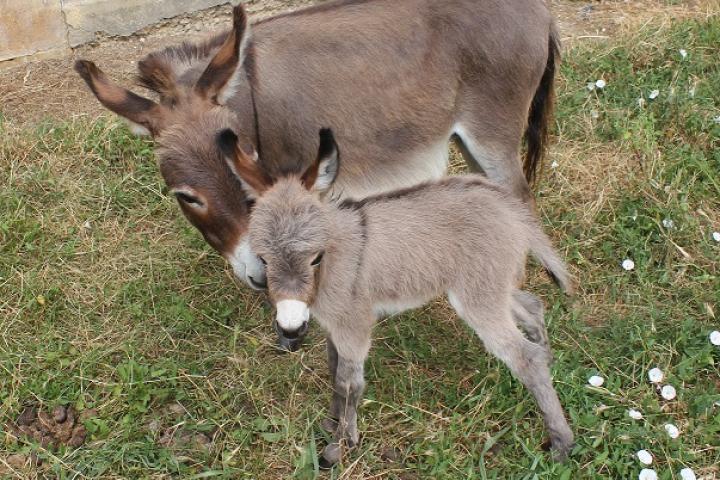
{"x": 395, "y": 79}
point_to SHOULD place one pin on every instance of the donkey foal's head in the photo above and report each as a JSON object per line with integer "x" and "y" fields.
{"x": 289, "y": 227}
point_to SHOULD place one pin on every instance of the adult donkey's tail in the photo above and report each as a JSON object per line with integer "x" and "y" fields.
{"x": 541, "y": 110}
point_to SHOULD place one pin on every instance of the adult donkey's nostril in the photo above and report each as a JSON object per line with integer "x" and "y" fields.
{"x": 257, "y": 285}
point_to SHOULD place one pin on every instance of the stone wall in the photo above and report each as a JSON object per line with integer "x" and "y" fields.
{"x": 51, "y": 27}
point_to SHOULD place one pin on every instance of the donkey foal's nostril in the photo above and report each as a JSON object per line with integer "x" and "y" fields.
{"x": 293, "y": 334}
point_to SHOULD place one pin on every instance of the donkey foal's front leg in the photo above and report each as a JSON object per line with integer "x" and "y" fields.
{"x": 330, "y": 423}
{"x": 347, "y": 392}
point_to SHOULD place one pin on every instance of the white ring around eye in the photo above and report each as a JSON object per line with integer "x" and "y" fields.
{"x": 199, "y": 202}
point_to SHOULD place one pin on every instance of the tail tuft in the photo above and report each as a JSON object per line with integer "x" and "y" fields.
{"x": 541, "y": 112}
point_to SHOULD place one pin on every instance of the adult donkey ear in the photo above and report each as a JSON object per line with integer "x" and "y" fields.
{"x": 220, "y": 79}
{"x": 243, "y": 165}
{"x": 148, "y": 116}
{"x": 321, "y": 175}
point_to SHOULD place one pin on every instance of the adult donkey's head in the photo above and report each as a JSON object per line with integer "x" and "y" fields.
{"x": 194, "y": 84}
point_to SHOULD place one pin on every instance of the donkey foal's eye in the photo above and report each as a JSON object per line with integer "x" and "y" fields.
{"x": 318, "y": 259}
{"x": 263, "y": 260}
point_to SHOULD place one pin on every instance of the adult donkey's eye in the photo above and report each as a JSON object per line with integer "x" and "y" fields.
{"x": 189, "y": 199}
{"x": 317, "y": 259}
{"x": 263, "y": 260}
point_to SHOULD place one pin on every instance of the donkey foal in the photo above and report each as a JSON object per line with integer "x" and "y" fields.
{"x": 349, "y": 263}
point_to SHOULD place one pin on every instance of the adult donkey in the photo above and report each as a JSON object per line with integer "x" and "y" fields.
{"x": 395, "y": 79}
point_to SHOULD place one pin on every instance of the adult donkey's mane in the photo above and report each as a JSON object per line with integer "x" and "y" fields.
{"x": 161, "y": 71}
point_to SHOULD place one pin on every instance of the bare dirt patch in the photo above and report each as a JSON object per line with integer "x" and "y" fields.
{"x": 51, "y": 89}
{"x": 588, "y": 20}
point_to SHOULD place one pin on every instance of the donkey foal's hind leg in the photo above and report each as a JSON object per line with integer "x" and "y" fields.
{"x": 529, "y": 314}
{"x": 526, "y": 360}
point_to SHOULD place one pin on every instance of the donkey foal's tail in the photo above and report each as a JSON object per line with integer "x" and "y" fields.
{"x": 543, "y": 250}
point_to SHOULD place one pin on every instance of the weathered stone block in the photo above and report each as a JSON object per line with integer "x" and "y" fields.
{"x": 86, "y": 18}
{"x": 31, "y": 26}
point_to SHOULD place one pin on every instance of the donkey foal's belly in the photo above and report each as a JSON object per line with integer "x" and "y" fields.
{"x": 384, "y": 309}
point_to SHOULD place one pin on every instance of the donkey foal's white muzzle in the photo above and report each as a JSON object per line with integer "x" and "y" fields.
{"x": 292, "y": 314}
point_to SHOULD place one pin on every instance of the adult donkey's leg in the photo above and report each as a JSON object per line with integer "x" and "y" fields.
{"x": 495, "y": 151}
{"x": 509, "y": 105}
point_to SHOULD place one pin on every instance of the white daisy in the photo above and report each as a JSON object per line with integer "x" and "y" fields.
{"x": 596, "y": 381}
{"x": 628, "y": 264}
{"x": 647, "y": 474}
{"x": 668, "y": 223}
{"x": 687, "y": 474}
{"x": 635, "y": 414}
{"x": 683, "y": 53}
{"x": 668, "y": 392}
{"x": 716, "y": 236}
{"x": 715, "y": 338}
{"x": 672, "y": 430}
{"x": 655, "y": 375}
{"x": 600, "y": 83}
{"x": 645, "y": 457}
{"x": 654, "y": 94}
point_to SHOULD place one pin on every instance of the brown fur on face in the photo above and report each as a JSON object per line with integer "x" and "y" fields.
{"x": 227, "y": 205}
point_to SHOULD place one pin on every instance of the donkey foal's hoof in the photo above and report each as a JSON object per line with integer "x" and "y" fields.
{"x": 330, "y": 456}
{"x": 561, "y": 450}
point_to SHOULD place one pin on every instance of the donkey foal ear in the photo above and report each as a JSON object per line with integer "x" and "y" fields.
{"x": 321, "y": 175}
{"x": 243, "y": 165}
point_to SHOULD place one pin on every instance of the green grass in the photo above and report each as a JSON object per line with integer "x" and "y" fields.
{"x": 134, "y": 314}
